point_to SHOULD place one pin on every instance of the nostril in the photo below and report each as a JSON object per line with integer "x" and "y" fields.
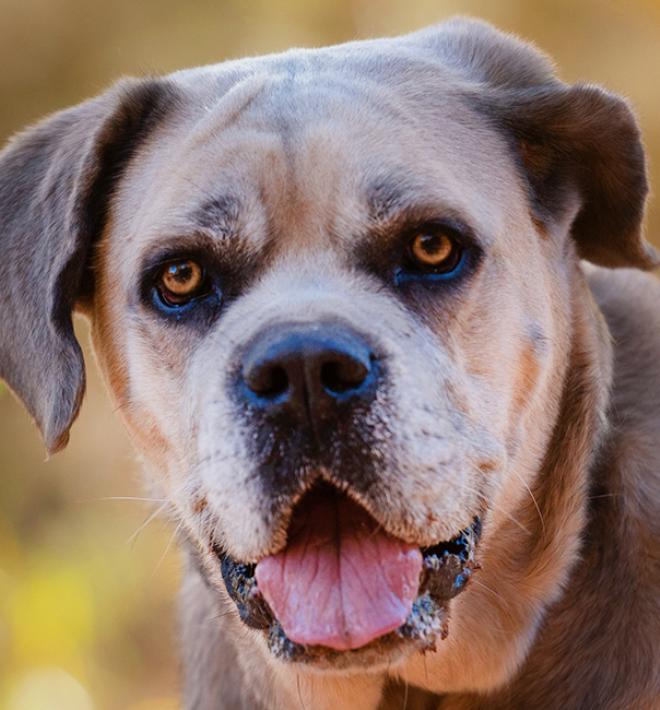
{"x": 306, "y": 371}
{"x": 269, "y": 382}
{"x": 345, "y": 375}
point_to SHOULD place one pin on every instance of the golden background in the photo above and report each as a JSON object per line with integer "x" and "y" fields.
{"x": 87, "y": 597}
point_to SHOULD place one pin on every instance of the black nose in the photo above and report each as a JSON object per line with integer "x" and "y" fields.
{"x": 310, "y": 372}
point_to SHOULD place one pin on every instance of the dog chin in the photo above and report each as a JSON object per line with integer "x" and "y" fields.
{"x": 380, "y": 619}
{"x": 381, "y": 654}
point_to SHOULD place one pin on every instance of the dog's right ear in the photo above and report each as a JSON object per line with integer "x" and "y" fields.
{"x": 56, "y": 180}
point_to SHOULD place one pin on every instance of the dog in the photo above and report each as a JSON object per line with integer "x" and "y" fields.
{"x": 375, "y": 318}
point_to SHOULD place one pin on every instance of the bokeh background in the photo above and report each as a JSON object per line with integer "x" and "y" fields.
{"x": 87, "y": 590}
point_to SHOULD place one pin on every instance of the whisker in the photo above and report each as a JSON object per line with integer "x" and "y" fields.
{"x": 150, "y": 519}
{"x": 217, "y": 617}
{"x": 135, "y": 498}
{"x": 166, "y": 550}
{"x": 506, "y": 607}
{"x": 499, "y": 509}
{"x": 512, "y": 518}
{"x": 531, "y": 495}
{"x": 492, "y": 504}
{"x": 478, "y": 582}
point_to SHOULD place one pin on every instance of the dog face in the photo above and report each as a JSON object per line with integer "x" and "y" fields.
{"x": 288, "y": 257}
{"x": 340, "y": 275}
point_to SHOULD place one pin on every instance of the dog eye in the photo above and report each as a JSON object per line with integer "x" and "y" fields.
{"x": 435, "y": 250}
{"x": 181, "y": 281}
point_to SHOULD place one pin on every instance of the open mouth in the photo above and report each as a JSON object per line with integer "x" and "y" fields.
{"x": 343, "y": 585}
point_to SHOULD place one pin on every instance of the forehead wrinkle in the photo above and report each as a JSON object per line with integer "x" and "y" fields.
{"x": 304, "y": 87}
{"x": 397, "y": 199}
{"x": 227, "y": 110}
{"x": 387, "y": 196}
{"x": 295, "y": 105}
{"x": 218, "y": 215}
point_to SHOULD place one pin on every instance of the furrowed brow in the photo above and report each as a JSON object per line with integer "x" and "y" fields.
{"x": 387, "y": 197}
{"x": 396, "y": 202}
{"x": 218, "y": 215}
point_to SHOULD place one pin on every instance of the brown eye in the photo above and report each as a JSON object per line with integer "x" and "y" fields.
{"x": 434, "y": 250}
{"x": 180, "y": 281}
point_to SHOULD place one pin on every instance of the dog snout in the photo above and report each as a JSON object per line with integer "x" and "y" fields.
{"x": 310, "y": 373}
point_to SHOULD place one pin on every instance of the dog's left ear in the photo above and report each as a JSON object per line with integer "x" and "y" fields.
{"x": 582, "y": 140}
{"x": 56, "y": 182}
{"x": 570, "y": 141}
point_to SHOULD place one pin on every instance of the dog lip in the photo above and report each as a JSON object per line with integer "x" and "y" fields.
{"x": 447, "y": 568}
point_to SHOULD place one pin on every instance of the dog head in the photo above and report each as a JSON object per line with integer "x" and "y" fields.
{"x": 332, "y": 295}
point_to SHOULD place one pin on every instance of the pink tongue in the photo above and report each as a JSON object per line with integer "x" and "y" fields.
{"x": 341, "y": 582}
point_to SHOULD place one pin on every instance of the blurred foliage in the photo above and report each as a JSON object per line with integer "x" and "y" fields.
{"x": 87, "y": 619}
{"x": 87, "y": 616}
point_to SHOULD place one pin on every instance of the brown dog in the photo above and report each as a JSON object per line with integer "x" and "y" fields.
{"x": 337, "y": 297}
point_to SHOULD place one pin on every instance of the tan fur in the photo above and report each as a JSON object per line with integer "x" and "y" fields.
{"x": 528, "y": 396}
{"x": 547, "y": 403}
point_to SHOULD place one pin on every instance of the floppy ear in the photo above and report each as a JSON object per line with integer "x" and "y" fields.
{"x": 55, "y": 184}
{"x": 567, "y": 139}
{"x": 582, "y": 139}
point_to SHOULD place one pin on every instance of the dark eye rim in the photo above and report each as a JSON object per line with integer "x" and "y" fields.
{"x": 468, "y": 254}
{"x": 205, "y": 301}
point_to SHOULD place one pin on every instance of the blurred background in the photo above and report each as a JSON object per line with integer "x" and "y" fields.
{"x": 87, "y": 589}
